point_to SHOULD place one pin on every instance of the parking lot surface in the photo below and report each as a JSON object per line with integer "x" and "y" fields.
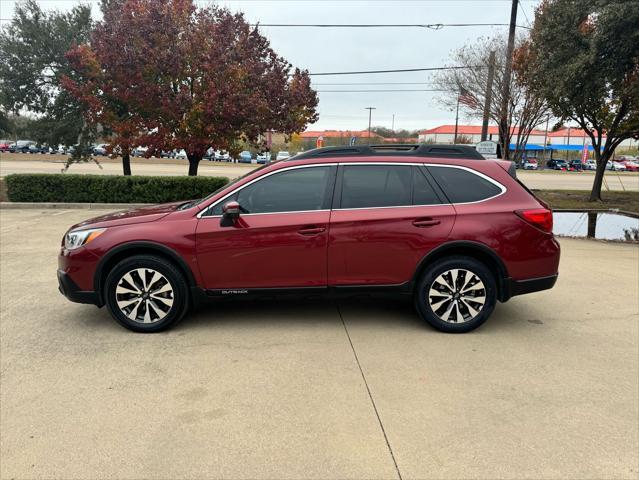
{"x": 357, "y": 388}
{"x": 25, "y": 163}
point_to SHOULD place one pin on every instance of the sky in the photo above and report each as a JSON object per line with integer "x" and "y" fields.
{"x": 357, "y": 49}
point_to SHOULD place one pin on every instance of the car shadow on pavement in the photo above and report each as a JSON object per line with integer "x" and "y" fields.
{"x": 361, "y": 310}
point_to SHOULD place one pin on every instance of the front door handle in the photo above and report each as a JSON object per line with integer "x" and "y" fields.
{"x": 426, "y": 222}
{"x": 311, "y": 230}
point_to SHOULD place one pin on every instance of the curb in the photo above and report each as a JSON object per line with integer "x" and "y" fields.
{"x": 69, "y": 206}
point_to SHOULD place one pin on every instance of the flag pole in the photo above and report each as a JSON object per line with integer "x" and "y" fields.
{"x": 456, "y": 119}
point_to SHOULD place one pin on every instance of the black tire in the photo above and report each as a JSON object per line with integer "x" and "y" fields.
{"x": 433, "y": 313}
{"x": 178, "y": 294}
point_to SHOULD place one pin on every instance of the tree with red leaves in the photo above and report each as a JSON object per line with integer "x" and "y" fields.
{"x": 167, "y": 75}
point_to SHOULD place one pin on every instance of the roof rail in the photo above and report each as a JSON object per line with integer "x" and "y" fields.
{"x": 408, "y": 150}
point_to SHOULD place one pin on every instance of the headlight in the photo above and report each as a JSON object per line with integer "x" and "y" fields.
{"x": 77, "y": 238}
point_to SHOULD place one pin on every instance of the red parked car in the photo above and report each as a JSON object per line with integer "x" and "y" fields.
{"x": 631, "y": 165}
{"x": 441, "y": 224}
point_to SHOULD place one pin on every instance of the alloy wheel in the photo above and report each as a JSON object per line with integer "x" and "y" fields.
{"x": 457, "y": 296}
{"x": 144, "y": 295}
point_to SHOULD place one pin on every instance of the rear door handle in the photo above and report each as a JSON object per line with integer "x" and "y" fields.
{"x": 311, "y": 230}
{"x": 426, "y": 222}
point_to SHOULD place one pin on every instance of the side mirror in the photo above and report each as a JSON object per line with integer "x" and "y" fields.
{"x": 231, "y": 210}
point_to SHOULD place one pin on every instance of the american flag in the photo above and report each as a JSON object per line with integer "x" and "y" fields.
{"x": 467, "y": 98}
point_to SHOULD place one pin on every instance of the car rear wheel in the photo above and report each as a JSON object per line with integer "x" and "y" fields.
{"x": 145, "y": 293}
{"x": 456, "y": 294}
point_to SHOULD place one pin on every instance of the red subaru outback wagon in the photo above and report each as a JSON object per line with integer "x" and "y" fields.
{"x": 455, "y": 231}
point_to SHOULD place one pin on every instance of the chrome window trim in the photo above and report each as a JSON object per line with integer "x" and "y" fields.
{"x": 261, "y": 177}
{"x": 272, "y": 213}
{"x": 503, "y": 189}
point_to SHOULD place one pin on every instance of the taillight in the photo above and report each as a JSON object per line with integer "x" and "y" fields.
{"x": 539, "y": 217}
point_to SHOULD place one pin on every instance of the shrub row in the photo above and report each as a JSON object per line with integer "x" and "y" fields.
{"x": 108, "y": 188}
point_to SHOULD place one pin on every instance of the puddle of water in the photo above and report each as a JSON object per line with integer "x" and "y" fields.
{"x": 603, "y": 226}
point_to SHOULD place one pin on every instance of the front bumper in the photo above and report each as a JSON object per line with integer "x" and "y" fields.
{"x": 69, "y": 289}
{"x": 512, "y": 287}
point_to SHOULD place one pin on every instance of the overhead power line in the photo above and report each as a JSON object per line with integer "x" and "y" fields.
{"x": 523, "y": 10}
{"x": 401, "y": 70}
{"x": 383, "y": 90}
{"x": 431, "y": 26}
{"x": 370, "y": 83}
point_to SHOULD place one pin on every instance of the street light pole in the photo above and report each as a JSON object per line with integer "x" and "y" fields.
{"x": 370, "y": 113}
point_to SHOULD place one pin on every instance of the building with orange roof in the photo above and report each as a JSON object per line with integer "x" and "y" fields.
{"x": 446, "y": 134}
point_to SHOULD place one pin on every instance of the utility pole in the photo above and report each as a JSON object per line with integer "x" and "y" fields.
{"x": 370, "y": 113}
{"x": 546, "y": 135}
{"x": 489, "y": 95}
{"x": 393, "y": 124}
{"x": 505, "y": 100}
{"x": 456, "y": 118}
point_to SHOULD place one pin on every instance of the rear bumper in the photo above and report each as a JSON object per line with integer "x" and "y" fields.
{"x": 521, "y": 287}
{"x": 69, "y": 289}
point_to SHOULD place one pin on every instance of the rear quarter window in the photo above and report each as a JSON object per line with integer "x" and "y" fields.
{"x": 463, "y": 186}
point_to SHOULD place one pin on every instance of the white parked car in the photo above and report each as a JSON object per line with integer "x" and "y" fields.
{"x": 530, "y": 165}
{"x": 263, "y": 157}
{"x": 615, "y": 166}
{"x": 100, "y": 149}
{"x": 282, "y": 155}
{"x": 222, "y": 156}
{"x": 590, "y": 165}
{"x": 140, "y": 151}
{"x": 181, "y": 155}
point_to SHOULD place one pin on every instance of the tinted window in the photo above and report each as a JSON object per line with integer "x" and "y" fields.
{"x": 290, "y": 191}
{"x": 463, "y": 186}
{"x": 365, "y": 186}
{"x": 423, "y": 192}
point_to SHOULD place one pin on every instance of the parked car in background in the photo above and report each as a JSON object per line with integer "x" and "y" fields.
{"x": 245, "y": 157}
{"x": 139, "y": 151}
{"x": 631, "y": 165}
{"x": 167, "y": 154}
{"x": 21, "y": 146}
{"x": 615, "y": 166}
{"x": 100, "y": 149}
{"x": 590, "y": 165}
{"x": 4, "y": 145}
{"x": 181, "y": 155}
{"x": 282, "y": 155}
{"x": 209, "y": 155}
{"x": 530, "y": 164}
{"x": 575, "y": 166}
{"x": 556, "y": 164}
{"x": 263, "y": 157}
{"x": 417, "y": 223}
{"x": 222, "y": 156}
{"x": 34, "y": 148}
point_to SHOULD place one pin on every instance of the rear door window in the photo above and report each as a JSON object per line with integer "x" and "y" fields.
{"x": 463, "y": 186}
{"x": 370, "y": 186}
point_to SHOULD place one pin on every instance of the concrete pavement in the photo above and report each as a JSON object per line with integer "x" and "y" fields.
{"x": 547, "y": 388}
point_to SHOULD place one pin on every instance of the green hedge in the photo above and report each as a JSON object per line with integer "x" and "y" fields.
{"x": 108, "y": 188}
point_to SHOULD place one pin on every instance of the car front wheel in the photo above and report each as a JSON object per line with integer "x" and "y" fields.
{"x": 456, "y": 294}
{"x": 145, "y": 293}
